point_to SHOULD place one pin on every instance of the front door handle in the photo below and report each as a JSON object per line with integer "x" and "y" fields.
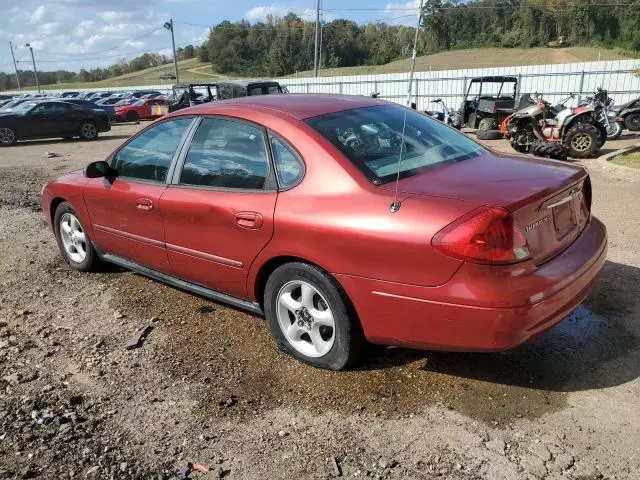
{"x": 144, "y": 204}
{"x": 249, "y": 220}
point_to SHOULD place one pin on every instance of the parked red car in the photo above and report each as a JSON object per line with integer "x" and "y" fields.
{"x": 285, "y": 205}
{"x": 134, "y": 109}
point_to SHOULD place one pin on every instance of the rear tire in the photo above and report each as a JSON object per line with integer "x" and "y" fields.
{"x": 73, "y": 240}
{"x": 582, "y": 140}
{"x": 543, "y": 148}
{"x": 311, "y": 318}
{"x": 632, "y": 122}
{"x": 8, "y": 136}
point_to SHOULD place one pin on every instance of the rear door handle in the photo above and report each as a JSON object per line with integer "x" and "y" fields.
{"x": 144, "y": 204}
{"x": 249, "y": 220}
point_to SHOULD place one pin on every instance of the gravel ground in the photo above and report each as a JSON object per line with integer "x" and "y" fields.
{"x": 208, "y": 385}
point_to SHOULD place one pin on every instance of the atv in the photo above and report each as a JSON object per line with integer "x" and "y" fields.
{"x": 553, "y": 132}
{"x": 488, "y": 101}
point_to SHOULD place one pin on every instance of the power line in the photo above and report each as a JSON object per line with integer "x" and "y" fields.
{"x": 115, "y": 56}
{"x": 145, "y": 35}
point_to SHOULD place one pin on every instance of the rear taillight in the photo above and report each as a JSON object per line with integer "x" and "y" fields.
{"x": 487, "y": 235}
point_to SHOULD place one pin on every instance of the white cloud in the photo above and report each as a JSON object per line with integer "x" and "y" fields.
{"x": 279, "y": 10}
{"x": 38, "y": 14}
{"x": 260, "y": 13}
{"x": 402, "y": 13}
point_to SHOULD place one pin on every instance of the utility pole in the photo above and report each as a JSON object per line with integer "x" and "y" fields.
{"x": 33, "y": 60}
{"x": 169, "y": 26}
{"x": 15, "y": 67}
{"x": 413, "y": 55}
{"x": 315, "y": 50}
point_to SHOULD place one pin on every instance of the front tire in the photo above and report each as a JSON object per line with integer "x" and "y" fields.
{"x": 310, "y": 317}
{"x": 488, "y": 124}
{"x": 615, "y": 130}
{"x": 582, "y": 140}
{"x": 73, "y": 241}
{"x": 132, "y": 116}
{"x": 88, "y": 131}
{"x": 602, "y": 134}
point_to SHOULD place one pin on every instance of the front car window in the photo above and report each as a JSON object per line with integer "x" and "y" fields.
{"x": 371, "y": 138}
{"x": 226, "y": 154}
{"x": 148, "y": 156}
{"x": 24, "y": 107}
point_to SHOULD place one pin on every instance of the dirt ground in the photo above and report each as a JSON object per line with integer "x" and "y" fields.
{"x": 209, "y": 386}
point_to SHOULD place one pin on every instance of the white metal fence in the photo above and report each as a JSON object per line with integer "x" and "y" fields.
{"x": 621, "y": 78}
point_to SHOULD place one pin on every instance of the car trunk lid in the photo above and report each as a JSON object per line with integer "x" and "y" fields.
{"x": 549, "y": 200}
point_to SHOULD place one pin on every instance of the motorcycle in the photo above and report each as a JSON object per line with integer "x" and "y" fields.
{"x": 603, "y": 105}
{"x": 553, "y": 131}
{"x": 445, "y": 116}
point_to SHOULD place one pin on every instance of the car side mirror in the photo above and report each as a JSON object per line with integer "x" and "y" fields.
{"x": 99, "y": 169}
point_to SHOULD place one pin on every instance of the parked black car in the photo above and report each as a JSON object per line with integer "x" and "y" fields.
{"x": 108, "y": 110}
{"x": 47, "y": 119}
{"x": 627, "y": 114}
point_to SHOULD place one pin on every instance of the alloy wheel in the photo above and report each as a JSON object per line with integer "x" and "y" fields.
{"x": 581, "y": 142}
{"x": 73, "y": 238}
{"x": 89, "y": 130}
{"x": 7, "y": 136}
{"x": 305, "y": 318}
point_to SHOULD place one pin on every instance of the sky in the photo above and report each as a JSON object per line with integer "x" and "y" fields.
{"x": 74, "y": 34}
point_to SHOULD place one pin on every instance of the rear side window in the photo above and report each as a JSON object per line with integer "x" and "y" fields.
{"x": 289, "y": 166}
{"x": 226, "y": 154}
{"x": 148, "y": 156}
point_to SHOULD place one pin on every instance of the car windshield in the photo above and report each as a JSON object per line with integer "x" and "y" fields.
{"x": 372, "y": 139}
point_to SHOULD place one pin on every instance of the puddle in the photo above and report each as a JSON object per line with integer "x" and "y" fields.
{"x": 227, "y": 352}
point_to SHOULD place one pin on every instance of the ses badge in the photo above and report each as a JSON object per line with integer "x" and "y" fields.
{"x": 537, "y": 223}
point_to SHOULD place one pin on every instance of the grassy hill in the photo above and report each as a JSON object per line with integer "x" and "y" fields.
{"x": 193, "y": 70}
{"x": 480, "y": 58}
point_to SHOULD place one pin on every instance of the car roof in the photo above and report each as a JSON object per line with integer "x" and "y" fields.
{"x": 496, "y": 79}
{"x": 300, "y": 106}
{"x": 246, "y": 83}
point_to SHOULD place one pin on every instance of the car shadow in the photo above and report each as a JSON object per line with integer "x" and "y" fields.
{"x": 597, "y": 346}
{"x": 63, "y": 141}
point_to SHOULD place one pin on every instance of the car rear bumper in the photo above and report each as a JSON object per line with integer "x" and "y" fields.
{"x": 482, "y": 308}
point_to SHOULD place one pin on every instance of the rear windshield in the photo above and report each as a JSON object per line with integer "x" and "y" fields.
{"x": 372, "y": 138}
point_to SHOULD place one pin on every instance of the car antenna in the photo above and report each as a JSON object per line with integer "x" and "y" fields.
{"x": 395, "y": 206}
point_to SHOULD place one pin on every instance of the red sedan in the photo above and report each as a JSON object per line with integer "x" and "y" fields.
{"x": 134, "y": 109}
{"x": 286, "y": 205}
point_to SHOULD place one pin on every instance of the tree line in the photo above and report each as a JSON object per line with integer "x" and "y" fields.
{"x": 282, "y": 46}
{"x": 531, "y": 23}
